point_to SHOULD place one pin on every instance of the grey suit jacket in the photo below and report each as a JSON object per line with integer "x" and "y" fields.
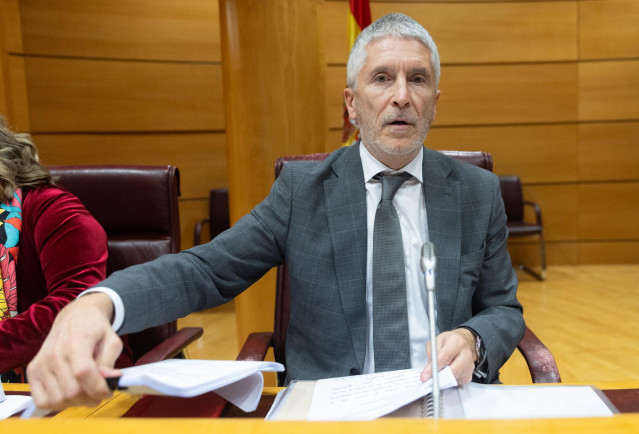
{"x": 315, "y": 220}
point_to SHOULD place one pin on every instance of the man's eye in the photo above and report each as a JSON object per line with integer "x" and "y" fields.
{"x": 419, "y": 80}
{"x": 381, "y": 78}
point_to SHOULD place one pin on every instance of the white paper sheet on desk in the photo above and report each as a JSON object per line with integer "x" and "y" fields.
{"x": 490, "y": 401}
{"x": 367, "y": 397}
{"x": 12, "y": 404}
{"x": 239, "y": 382}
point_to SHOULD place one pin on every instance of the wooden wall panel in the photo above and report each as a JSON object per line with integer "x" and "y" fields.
{"x": 488, "y": 94}
{"x": 475, "y": 32}
{"x": 336, "y": 32}
{"x": 609, "y": 151}
{"x": 536, "y": 153}
{"x": 560, "y": 209}
{"x": 557, "y": 253}
{"x": 11, "y": 27}
{"x": 609, "y": 211}
{"x": 201, "y": 157}
{"x": 95, "y": 95}
{"x": 17, "y": 94}
{"x": 333, "y": 139}
{"x": 123, "y": 29}
{"x": 562, "y": 253}
{"x": 335, "y": 84}
{"x": 609, "y": 252}
{"x": 608, "y": 29}
{"x": 4, "y": 63}
{"x": 609, "y": 90}
{"x": 502, "y": 94}
{"x": 13, "y": 100}
{"x": 148, "y": 70}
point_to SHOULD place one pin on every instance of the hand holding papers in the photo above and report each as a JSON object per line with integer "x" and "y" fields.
{"x": 239, "y": 382}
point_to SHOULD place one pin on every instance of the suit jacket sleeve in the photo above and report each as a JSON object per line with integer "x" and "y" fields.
{"x": 497, "y": 314}
{"x": 208, "y": 275}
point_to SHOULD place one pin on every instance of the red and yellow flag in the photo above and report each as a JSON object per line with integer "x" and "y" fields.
{"x": 359, "y": 17}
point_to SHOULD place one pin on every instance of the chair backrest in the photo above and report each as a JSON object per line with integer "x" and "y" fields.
{"x": 138, "y": 208}
{"x": 512, "y": 194}
{"x": 282, "y": 292}
{"x": 219, "y": 219}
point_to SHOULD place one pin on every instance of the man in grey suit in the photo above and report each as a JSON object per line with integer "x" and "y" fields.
{"x": 319, "y": 219}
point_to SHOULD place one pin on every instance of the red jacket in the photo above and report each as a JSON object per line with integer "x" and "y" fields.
{"x": 63, "y": 251}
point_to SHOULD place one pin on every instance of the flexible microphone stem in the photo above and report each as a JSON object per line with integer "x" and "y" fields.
{"x": 428, "y": 263}
{"x": 433, "y": 353}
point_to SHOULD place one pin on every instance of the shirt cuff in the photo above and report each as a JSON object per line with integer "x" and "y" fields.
{"x": 118, "y": 305}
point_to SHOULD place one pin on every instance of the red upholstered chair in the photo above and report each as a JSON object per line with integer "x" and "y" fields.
{"x": 514, "y": 202}
{"x": 541, "y": 363}
{"x": 138, "y": 208}
{"x": 218, "y": 219}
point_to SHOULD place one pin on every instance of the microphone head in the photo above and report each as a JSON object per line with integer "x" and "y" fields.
{"x": 428, "y": 250}
{"x": 428, "y": 256}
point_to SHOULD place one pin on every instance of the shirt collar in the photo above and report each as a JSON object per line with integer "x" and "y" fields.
{"x": 373, "y": 166}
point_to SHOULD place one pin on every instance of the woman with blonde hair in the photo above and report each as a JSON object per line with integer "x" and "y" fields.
{"x": 51, "y": 249}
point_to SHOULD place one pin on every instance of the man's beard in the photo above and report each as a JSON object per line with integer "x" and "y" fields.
{"x": 371, "y": 132}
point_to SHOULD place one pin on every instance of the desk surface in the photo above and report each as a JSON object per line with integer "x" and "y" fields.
{"x": 105, "y": 419}
{"x": 625, "y": 423}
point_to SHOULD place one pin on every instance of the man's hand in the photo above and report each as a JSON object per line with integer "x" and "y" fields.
{"x": 79, "y": 352}
{"x": 455, "y": 348}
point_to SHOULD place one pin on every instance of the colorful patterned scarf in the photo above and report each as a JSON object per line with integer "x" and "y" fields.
{"x": 10, "y": 225}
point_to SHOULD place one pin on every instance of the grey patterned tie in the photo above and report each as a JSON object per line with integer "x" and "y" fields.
{"x": 390, "y": 316}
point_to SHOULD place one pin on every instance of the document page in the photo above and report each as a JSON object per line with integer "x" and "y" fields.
{"x": 237, "y": 381}
{"x": 13, "y": 404}
{"x": 489, "y": 401}
{"x": 367, "y": 397}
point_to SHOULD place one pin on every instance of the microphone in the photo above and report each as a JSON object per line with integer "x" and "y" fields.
{"x": 428, "y": 264}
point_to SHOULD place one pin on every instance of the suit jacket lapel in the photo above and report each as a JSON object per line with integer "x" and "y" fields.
{"x": 443, "y": 210}
{"x": 346, "y": 209}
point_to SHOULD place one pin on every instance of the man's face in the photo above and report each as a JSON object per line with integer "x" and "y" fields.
{"x": 395, "y": 99}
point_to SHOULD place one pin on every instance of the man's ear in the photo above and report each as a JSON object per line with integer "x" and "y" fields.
{"x": 349, "y": 100}
{"x": 439, "y": 92}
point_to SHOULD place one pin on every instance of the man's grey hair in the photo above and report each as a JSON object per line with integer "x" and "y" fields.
{"x": 397, "y": 25}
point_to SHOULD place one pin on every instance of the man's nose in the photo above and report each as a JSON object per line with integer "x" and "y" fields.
{"x": 400, "y": 93}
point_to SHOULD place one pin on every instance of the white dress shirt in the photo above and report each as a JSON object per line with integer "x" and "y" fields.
{"x": 411, "y": 209}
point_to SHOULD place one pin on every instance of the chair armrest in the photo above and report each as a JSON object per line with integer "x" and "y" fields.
{"x": 537, "y": 210}
{"x": 256, "y": 346}
{"x": 197, "y": 231}
{"x": 541, "y": 363}
{"x": 171, "y": 346}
